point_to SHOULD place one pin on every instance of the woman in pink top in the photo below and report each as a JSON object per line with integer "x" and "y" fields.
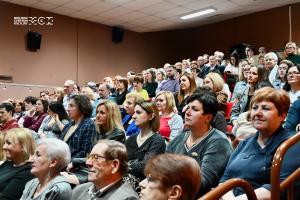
{"x": 171, "y": 124}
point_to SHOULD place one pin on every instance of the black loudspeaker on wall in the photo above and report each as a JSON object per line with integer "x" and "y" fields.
{"x": 33, "y": 41}
{"x": 117, "y": 34}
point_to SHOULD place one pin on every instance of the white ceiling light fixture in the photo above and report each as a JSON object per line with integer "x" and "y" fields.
{"x": 199, "y": 13}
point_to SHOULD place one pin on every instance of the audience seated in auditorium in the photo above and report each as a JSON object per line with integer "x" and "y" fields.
{"x": 69, "y": 92}
{"x": 255, "y": 77}
{"x": 18, "y": 147}
{"x": 150, "y": 85}
{"x": 29, "y": 103}
{"x": 19, "y": 109}
{"x": 171, "y": 83}
{"x": 148, "y": 142}
{"x": 293, "y": 83}
{"x": 187, "y": 87}
{"x": 55, "y": 122}
{"x": 239, "y": 87}
{"x": 108, "y": 126}
{"x": 171, "y": 176}
{"x": 79, "y": 131}
{"x": 107, "y": 164}
{"x": 219, "y": 121}
{"x": 216, "y": 83}
{"x": 171, "y": 124}
{"x": 291, "y": 50}
{"x": 50, "y": 158}
{"x": 232, "y": 70}
{"x": 281, "y": 77}
{"x": 271, "y": 66}
{"x": 207, "y": 145}
{"x": 121, "y": 90}
{"x": 6, "y": 117}
{"x": 104, "y": 93}
{"x": 36, "y": 115}
{"x": 252, "y": 159}
{"x": 87, "y": 91}
{"x": 128, "y": 122}
{"x": 250, "y": 57}
{"x": 138, "y": 87}
{"x": 58, "y": 94}
{"x": 212, "y": 67}
{"x": 293, "y": 117}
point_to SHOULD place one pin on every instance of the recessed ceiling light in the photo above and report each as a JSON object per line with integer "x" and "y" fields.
{"x": 198, "y": 13}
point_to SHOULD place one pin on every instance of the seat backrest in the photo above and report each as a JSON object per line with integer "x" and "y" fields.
{"x": 222, "y": 189}
{"x": 276, "y": 186}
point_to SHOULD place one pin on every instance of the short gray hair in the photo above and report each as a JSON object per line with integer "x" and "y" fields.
{"x": 272, "y": 55}
{"x": 57, "y": 150}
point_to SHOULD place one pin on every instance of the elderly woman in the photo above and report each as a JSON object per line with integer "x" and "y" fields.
{"x": 253, "y": 157}
{"x": 162, "y": 183}
{"x": 79, "y": 131}
{"x": 207, "y": 145}
{"x": 271, "y": 66}
{"x": 36, "y": 115}
{"x": 187, "y": 87}
{"x": 51, "y": 157}
{"x": 148, "y": 142}
{"x": 15, "y": 171}
{"x": 56, "y": 120}
{"x": 128, "y": 122}
{"x": 171, "y": 124}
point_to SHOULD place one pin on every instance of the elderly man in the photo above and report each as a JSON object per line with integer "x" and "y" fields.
{"x": 213, "y": 67}
{"x": 6, "y": 117}
{"x": 69, "y": 92}
{"x": 107, "y": 164}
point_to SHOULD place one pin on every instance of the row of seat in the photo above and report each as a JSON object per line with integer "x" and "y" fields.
{"x": 276, "y": 186}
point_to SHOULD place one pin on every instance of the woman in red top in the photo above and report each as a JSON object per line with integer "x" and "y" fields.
{"x": 171, "y": 124}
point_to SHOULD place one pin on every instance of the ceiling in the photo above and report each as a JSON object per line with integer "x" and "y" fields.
{"x": 151, "y": 15}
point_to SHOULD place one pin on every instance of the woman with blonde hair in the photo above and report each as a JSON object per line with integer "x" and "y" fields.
{"x": 108, "y": 122}
{"x": 171, "y": 124}
{"x": 87, "y": 91}
{"x": 59, "y": 94}
{"x": 216, "y": 83}
{"x": 18, "y": 147}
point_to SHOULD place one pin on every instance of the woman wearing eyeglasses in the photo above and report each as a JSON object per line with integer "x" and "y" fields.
{"x": 239, "y": 87}
{"x": 293, "y": 83}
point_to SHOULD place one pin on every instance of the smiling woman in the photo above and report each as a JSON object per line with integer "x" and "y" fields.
{"x": 252, "y": 159}
{"x": 15, "y": 171}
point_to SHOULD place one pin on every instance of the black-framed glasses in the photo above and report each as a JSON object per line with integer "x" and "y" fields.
{"x": 293, "y": 73}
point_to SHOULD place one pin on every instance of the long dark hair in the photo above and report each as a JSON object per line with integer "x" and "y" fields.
{"x": 58, "y": 108}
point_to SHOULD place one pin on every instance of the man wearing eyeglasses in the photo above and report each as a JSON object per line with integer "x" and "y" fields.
{"x": 107, "y": 164}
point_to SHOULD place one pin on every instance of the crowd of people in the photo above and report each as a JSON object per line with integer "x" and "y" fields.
{"x": 174, "y": 132}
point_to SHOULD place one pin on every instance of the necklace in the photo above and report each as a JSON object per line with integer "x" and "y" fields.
{"x": 141, "y": 140}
